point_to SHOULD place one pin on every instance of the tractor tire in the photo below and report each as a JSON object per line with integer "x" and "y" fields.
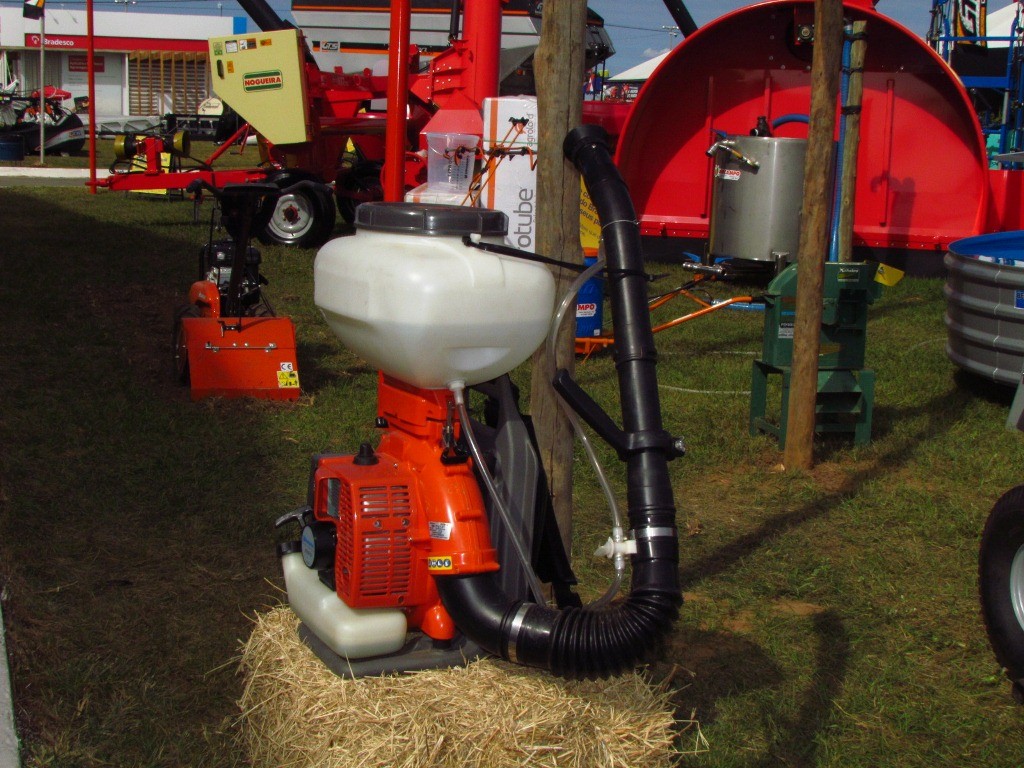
{"x": 178, "y": 345}
{"x": 361, "y": 184}
{"x": 1001, "y": 584}
{"x": 303, "y": 218}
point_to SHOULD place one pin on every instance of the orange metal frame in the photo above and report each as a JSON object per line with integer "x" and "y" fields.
{"x": 242, "y": 357}
{"x": 587, "y": 345}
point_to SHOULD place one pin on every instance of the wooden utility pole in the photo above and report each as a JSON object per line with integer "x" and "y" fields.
{"x": 851, "y": 143}
{"x": 558, "y": 70}
{"x": 814, "y": 234}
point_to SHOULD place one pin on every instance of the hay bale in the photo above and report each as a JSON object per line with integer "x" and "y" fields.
{"x": 491, "y": 714}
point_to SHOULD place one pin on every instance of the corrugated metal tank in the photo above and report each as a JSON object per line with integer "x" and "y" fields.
{"x": 985, "y": 305}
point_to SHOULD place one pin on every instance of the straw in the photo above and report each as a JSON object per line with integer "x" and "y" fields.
{"x": 490, "y": 714}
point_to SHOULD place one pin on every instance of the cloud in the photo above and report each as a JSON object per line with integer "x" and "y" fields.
{"x": 650, "y": 53}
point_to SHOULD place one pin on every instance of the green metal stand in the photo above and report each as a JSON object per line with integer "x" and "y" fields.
{"x": 844, "y": 403}
{"x": 846, "y": 390}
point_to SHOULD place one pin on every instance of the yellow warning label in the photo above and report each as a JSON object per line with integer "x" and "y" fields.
{"x": 590, "y": 224}
{"x": 439, "y": 563}
{"x": 887, "y": 275}
{"x": 286, "y": 379}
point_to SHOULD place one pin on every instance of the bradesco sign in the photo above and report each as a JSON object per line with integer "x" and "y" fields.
{"x": 81, "y": 42}
{"x": 71, "y": 41}
{"x": 269, "y": 80}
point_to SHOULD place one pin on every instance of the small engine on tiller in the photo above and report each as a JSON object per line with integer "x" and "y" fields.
{"x": 228, "y": 341}
{"x": 431, "y": 548}
{"x": 217, "y": 260}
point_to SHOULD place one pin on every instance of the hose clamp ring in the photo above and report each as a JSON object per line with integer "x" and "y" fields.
{"x": 654, "y": 533}
{"x": 513, "y": 634}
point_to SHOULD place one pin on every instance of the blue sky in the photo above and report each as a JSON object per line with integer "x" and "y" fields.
{"x": 636, "y": 26}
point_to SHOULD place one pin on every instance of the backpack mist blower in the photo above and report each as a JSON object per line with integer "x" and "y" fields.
{"x": 430, "y": 550}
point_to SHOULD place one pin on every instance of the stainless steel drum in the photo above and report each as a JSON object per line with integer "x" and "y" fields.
{"x": 756, "y": 198}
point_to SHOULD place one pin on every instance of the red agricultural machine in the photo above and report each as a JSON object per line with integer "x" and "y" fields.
{"x": 327, "y": 127}
{"x": 923, "y": 175}
{"x": 305, "y": 118}
{"x": 749, "y": 65}
{"x": 228, "y": 341}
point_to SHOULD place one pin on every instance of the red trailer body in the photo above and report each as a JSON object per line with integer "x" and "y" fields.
{"x": 922, "y": 170}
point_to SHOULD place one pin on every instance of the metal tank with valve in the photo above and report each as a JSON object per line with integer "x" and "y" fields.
{"x": 756, "y": 197}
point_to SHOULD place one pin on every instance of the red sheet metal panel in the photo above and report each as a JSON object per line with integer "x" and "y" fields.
{"x": 242, "y": 357}
{"x": 922, "y": 176}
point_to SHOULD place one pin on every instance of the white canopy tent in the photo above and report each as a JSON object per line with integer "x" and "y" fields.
{"x": 640, "y": 72}
{"x": 1000, "y": 24}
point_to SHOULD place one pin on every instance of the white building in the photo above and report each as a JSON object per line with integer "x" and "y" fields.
{"x": 145, "y": 63}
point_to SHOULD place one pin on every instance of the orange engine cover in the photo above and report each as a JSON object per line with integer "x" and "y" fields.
{"x": 404, "y": 514}
{"x": 380, "y": 556}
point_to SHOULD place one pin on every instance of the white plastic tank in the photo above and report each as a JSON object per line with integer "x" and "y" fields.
{"x": 409, "y": 297}
{"x": 355, "y": 633}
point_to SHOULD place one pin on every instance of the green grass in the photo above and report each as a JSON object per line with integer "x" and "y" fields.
{"x": 831, "y": 617}
{"x": 236, "y": 157}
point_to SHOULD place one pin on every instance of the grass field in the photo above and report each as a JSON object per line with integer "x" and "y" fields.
{"x": 831, "y": 617}
{"x": 236, "y": 157}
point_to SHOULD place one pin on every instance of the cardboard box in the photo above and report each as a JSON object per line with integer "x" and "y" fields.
{"x": 510, "y": 177}
{"x": 510, "y": 121}
{"x": 510, "y": 186}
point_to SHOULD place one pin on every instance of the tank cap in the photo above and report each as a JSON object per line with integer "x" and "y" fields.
{"x": 430, "y": 219}
{"x": 366, "y": 457}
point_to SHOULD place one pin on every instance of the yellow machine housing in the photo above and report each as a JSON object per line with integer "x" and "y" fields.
{"x": 261, "y": 75}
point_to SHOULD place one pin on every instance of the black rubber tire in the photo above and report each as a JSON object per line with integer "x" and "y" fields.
{"x": 178, "y": 348}
{"x": 1001, "y": 584}
{"x": 303, "y": 218}
{"x": 363, "y": 181}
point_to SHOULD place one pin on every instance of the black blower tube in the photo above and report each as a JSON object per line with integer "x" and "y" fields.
{"x": 265, "y": 17}
{"x": 583, "y": 642}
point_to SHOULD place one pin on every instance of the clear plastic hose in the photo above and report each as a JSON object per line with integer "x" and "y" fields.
{"x": 458, "y": 391}
{"x": 569, "y": 299}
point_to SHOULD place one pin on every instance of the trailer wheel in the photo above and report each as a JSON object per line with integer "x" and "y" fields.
{"x": 357, "y": 186}
{"x": 1001, "y": 584}
{"x": 303, "y": 218}
{"x": 178, "y": 345}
